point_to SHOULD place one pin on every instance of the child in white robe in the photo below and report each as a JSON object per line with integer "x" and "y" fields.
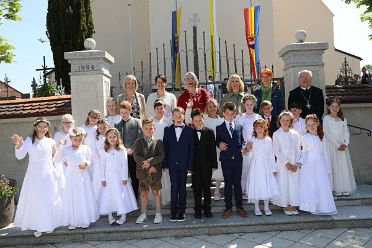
{"x": 212, "y": 120}
{"x": 161, "y": 121}
{"x": 102, "y": 127}
{"x": 39, "y": 202}
{"x": 62, "y": 138}
{"x": 337, "y": 138}
{"x": 298, "y": 122}
{"x": 79, "y": 206}
{"x": 90, "y": 129}
{"x": 287, "y": 149}
{"x": 315, "y": 188}
{"x": 261, "y": 181}
{"x": 117, "y": 194}
{"x": 246, "y": 120}
{"x": 112, "y": 112}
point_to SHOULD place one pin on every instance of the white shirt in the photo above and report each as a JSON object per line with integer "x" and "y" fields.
{"x": 178, "y": 131}
{"x": 228, "y": 126}
{"x": 170, "y": 103}
{"x": 198, "y": 133}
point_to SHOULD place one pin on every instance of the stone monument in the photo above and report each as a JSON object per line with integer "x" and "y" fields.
{"x": 90, "y": 80}
{"x": 303, "y": 55}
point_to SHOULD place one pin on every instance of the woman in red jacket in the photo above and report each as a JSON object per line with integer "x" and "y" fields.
{"x": 193, "y": 96}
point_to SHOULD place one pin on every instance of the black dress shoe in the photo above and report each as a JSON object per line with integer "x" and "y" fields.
{"x": 197, "y": 215}
{"x": 208, "y": 214}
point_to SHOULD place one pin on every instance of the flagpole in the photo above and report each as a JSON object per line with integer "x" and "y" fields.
{"x": 130, "y": 37}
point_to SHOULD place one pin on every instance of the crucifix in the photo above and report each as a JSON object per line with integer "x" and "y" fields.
{"x": 45, "y": 69}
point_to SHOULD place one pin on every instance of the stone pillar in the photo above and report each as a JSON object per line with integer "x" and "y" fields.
{"x": 90, "y": 80}
{"x": 303, "y": 56}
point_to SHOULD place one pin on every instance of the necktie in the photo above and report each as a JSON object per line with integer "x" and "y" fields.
{"x": 231, "y": 128}
{"x": 178, "y": 126}
{"x": 268, "y": 122}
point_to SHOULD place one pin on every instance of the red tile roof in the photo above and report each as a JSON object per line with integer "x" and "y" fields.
{"x": 350, "y": 93}
{"x": 35, "y": 107}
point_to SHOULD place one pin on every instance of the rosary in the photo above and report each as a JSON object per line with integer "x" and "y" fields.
{"x": 308, "y": 105}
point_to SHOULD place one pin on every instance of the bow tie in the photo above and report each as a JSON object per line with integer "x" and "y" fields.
{"x": 198, "y": 130}
{"x": 179, "y": 126}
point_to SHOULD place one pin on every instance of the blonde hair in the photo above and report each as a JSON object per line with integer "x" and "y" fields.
{"x": 111, "y": 99}
{"x": 241, "y": 84}
{"x": 131, "y": 78}
{"x": 196, "y": 80}
{"x": 286, "y": 113}
{"x": 249, "y": 97}
{"x": 214, "y": 103}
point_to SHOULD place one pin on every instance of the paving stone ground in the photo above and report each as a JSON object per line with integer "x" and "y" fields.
{"x": 329, "y": 238}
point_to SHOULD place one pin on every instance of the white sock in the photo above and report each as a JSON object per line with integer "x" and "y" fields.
{"x": 256, "y": 205}
{"x": 266, "y": 204}
{"x": 218, "y": 186}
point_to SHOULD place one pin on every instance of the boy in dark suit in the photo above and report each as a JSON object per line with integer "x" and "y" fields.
{"x": 266, "y": 108}
{"x": 205, "y": 159}
{"x": 229, "y": 139}
{"x": 179, "y": 147}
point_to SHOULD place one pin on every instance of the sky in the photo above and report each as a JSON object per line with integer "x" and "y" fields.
{"x": 351, "y": 35}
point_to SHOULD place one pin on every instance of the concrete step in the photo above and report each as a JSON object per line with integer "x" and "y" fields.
{"x": 347, "y": 217}
{"x": 363, "y": 196}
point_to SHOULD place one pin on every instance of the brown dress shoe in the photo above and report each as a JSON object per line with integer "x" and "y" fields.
{"x": 242, "y": 212}
{"x": 227, "y": 213}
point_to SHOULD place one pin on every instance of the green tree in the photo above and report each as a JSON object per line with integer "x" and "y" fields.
{"x": 9, "y": 12}
{"x": 69, "y": 23}
{"x": 47, "y": 89}
{"x": 366, "y": 16}
{"x": 369, "y": 67}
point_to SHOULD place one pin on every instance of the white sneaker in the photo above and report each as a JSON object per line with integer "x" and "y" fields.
{"x": 158, "y": 218}
{"x": 346, "y": 194}
{"x": 122, "y": 219}
{"x": 287, "y": 212}
{"x": 217, "y": 196}
{"x": 268, "y": 212}
{"x": 85, "y": 226}
{"x": 71, "y": 227}
{"x": 111, "y": 219}
{"x": 37, "y": 234}
{"x": 141, "y": 218}
{"x": 257, "y": 212}
{"x": 294, "y": 212}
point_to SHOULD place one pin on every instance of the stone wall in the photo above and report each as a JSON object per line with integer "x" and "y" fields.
{"x": 10, "y": 166}
{"x": 360, "y": 145}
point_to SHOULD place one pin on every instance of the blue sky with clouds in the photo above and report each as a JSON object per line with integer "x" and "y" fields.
{"x": 350, "y": 35}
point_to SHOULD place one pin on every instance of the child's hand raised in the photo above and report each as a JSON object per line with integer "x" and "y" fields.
{"x": 125, "y": 182}
{"x": 83, "y": 166}
{"x": 189, "y": 103}
{"x": 103, "y": 183}
{"x": 17, "y": 140}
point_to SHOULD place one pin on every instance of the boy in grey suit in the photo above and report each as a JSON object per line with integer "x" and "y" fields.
{"x": 130, "y": 131}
